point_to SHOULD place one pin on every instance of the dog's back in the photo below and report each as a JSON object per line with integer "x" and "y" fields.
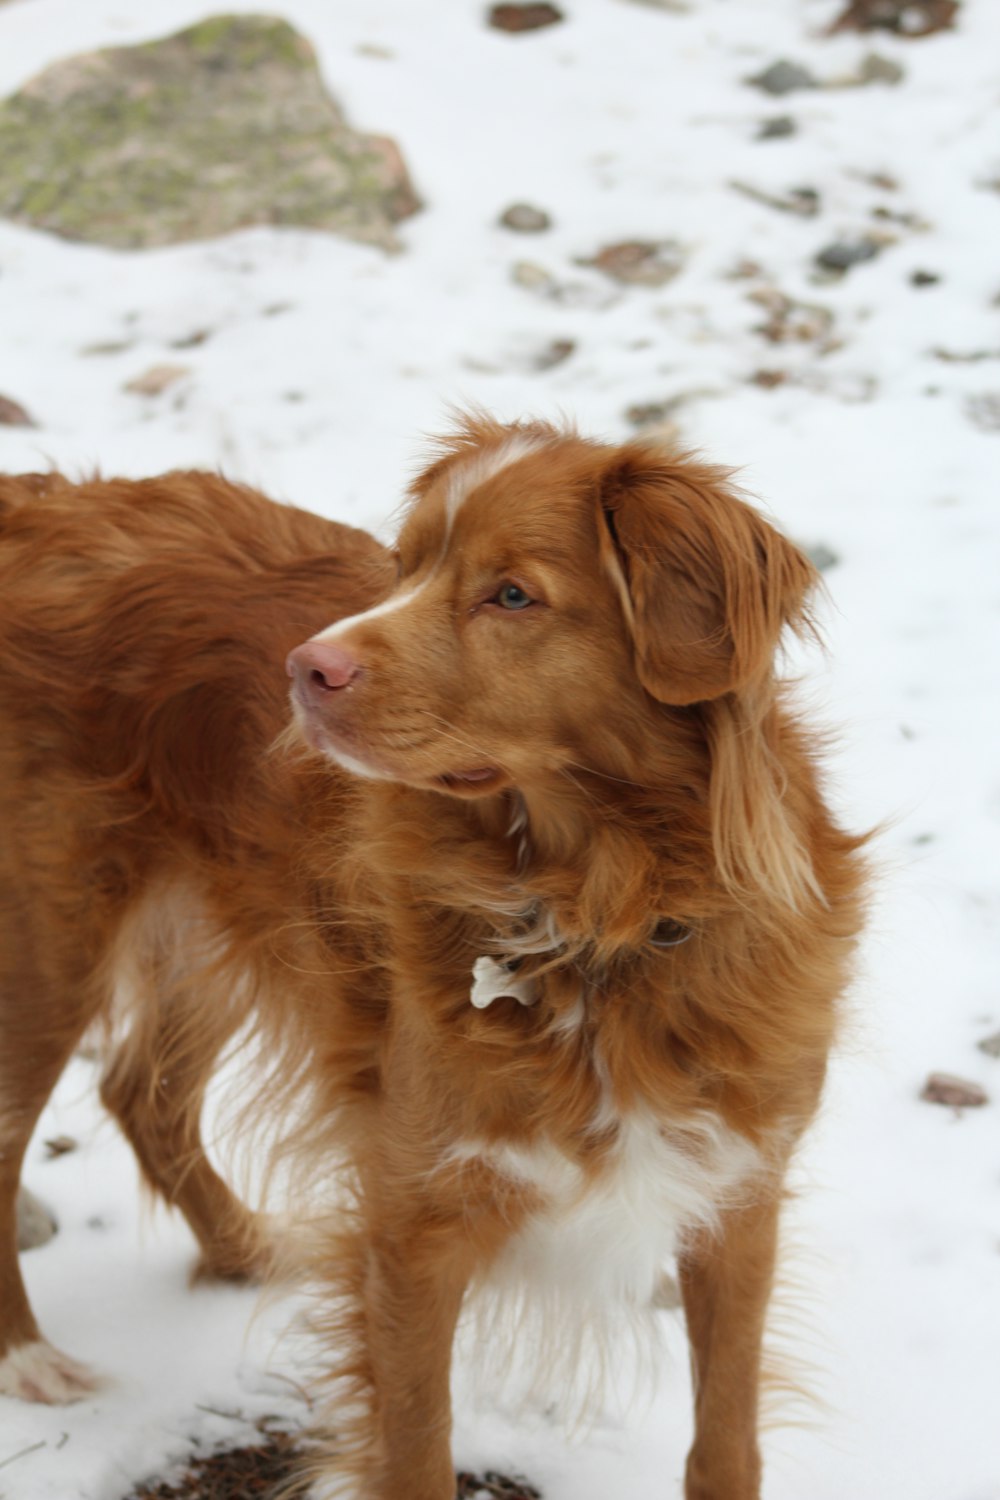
{"x": 150, "y": 858}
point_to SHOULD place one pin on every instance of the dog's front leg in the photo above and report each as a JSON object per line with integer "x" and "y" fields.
{"x": 726, "y": 1282}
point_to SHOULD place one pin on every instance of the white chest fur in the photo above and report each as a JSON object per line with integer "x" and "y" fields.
{"x": 607, "y": 1238}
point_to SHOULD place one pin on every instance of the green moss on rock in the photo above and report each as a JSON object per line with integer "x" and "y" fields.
{"x": 223, "y": 125}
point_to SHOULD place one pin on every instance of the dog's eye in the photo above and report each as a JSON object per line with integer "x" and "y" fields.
{"x": 509, "y": 596}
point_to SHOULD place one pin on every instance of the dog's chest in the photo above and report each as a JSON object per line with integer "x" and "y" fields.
{"x": 607, "y": 1235}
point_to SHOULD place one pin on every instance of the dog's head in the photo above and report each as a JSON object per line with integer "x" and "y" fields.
{"x": 553, "y": 595}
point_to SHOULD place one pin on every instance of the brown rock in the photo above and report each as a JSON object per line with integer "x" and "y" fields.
{"x": 908, "y": 18}
{"x": 157, "y": 379}
{"x": 13, "y": 414}
{"x": 959, "y": 1093}
{"x": 639, "y": 262}
{"x": 524, "y": 17}
{"x": 524, "y": 218}
{"x": 35, "y": 1225}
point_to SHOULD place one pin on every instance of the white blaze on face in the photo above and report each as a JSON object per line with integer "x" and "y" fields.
{"x": 466, "y": 477}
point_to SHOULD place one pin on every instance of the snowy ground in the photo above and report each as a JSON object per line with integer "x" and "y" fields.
{"x": 323, "y": 364}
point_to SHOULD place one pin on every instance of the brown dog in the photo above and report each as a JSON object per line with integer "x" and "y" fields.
{"x": 552, "y": 928}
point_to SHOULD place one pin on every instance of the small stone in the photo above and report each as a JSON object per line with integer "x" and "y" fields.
{"x": 60, "y": 1145}
{"x": 105, "y": 347}
{"x": 792, "y": 322}
{"x": 523, "y": 218}
{"x": 35, "y": 1224}
{"x": 958, "y": 1093}
{"x": 524, "y": 17}
{"x": 983, "y": 411}
{"x": 990, "y": 1045}
{"x": 192, "y": 340}
{"x": 841, "y": 255}
{"x": 822, "y": 557}
{"x": 783, "y": 77}
{"x": 876, "y": 69}
{"x": 157, "y": 379}
{"x": 804, "y": 202}
{"x": 769, "y": 380}
{"x": 648, "y": 263}
{"x": 924, "y": 278}
{"x": 554, "y": 354}
{"x": 533, "y": 277}
{"x": 13, "y": 414}
{"x": 776, "y": 128}
{"x": 908, "y": 18}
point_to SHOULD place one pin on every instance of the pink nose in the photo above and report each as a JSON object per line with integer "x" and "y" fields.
{"x": 319, "y": 668}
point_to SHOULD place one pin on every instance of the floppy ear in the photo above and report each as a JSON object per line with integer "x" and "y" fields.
{"x": 706, "y": 583}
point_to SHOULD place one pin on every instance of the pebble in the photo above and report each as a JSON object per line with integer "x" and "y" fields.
{"x": 959, "y": 1093}
{"x": 990, "y": 1045}
{"x": 924, "y": 278}
{"x": 13, "y": 414}
{"x": 35, "y": 1224}
{"x": 776, "y": 128}
{"x": 155, "y": 380}
{"x": 524, "y": 17}
{"x": 841, "y": 255}
{"x": 524, "y": 218}
{"x": 822, "y": 557}
{"x": 639, "y": 262}
{"x": 783, "y": 77}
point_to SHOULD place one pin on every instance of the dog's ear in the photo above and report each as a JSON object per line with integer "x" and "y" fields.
{"x": 706, "y": 583}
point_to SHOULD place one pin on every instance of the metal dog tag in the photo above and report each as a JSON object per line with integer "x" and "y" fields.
{"x": 491, "y": 979}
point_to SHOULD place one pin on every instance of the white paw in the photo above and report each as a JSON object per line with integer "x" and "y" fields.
{"x": 37, "y": 1372}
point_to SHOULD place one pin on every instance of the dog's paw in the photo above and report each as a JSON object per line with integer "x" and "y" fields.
{"x": 38, "y": 1372}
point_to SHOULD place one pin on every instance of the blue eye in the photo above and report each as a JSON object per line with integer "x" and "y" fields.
{"x": 509, "y": 596}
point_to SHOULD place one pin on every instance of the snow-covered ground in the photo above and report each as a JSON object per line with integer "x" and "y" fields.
{"x": 323, "y": 364}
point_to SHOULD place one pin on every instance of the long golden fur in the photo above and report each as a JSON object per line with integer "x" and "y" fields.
{"x": 568, "y": 760}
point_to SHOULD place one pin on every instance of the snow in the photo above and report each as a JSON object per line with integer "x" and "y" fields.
{"x": 326, "y": 362}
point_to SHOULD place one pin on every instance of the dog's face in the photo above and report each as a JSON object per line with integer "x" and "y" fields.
{"x": 553, "y": 594}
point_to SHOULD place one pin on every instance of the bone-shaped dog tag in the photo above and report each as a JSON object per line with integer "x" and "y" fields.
{"x": 491, "y": 979}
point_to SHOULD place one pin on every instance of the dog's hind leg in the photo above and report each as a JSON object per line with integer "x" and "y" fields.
{"x": 155, "y": 1087}
{"x": 40, "y": 1023}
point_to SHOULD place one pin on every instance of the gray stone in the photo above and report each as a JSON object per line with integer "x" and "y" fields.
{"x": 524, "y": 218}
{"x": 223, "y": 125}
{"x": 843, "y": 254}
{"x": 822, "y": 557}
{"x": 783, "y": 77}
{"x": 990, "y": 1045}
{"x": 35, "y": 1225}
{"x": 776, "y": 128}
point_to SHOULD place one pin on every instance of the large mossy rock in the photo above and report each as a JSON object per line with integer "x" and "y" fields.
{"x": 223, "y": 125}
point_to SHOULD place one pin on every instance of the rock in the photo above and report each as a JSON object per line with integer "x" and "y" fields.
{"x": 990, "y": 1045}
{"x": 792, "y": 322}
{"x": 983, "y": 411}
{"x": 639, "y": 262}
{"x": 959, "y": 1093}
{"x": 525, "y": 219}
{"x": 555, "y": 353}
{"x": 35, "y": 1224}
{"x": 876, "y": 69}
{"x": 532, "y": 277}
{"x": 60, "y": 1145}
{"x": 157, "y": 379}
{"x": 776, "y": 128}
{"x": 524, "y": 17}
{"x": 804, "y": 202}
{"x": 13, "y": 414}
{"x": 841, "y": 255}
{"x": 769, "y": 380}
{"x": 821, "y": 556}
{"x": 783, "y": 77}
{"x": 908, "y": 18}
{"x": 924, "y": 278}
{"x": 223, "y": 125}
